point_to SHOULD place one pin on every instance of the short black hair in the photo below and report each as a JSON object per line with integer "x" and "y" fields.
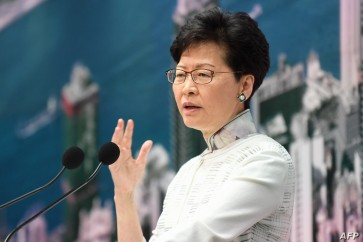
{"x": 247, "y": 49}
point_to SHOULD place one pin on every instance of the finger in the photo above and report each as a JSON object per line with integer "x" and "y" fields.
{"x": 144, "y": 151}
{"x": 115, "y": 135}
{"x": 127, "y": 137}
{"x": 119, "y": 132}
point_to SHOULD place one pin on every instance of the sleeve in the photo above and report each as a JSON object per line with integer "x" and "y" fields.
{"x": 253, "y": 193}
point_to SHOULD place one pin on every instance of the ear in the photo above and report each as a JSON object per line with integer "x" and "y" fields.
{"x": 247, "y": 82}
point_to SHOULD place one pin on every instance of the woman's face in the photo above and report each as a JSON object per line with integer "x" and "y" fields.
{"x": 210, "y": 106}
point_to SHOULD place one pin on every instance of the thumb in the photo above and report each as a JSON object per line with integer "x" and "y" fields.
{"x": 144, "y": 151}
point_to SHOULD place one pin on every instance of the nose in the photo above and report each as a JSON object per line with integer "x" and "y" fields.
{"x": 189, "y": 86}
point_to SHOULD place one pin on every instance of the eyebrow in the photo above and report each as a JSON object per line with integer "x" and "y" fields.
{"x": 198, "y": 65}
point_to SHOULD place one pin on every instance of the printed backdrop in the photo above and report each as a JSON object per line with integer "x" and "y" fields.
{"x": 52, "y": 50}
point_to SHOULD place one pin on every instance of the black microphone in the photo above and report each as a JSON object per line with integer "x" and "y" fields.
{"x": 72, "y": 158}
{"x": 108, "y": 154}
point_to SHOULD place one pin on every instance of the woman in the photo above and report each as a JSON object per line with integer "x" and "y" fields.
{"x": 241, "y": 188}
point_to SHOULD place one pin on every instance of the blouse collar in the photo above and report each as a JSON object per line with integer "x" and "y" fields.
{"x": 239, "y": 127}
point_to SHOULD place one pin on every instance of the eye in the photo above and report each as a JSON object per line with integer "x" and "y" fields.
{"x": 179, "y": 74}
{"x": 204, "y": 73}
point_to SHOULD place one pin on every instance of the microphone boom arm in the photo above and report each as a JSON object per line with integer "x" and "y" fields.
{"x": 53, "y": 204}
{"x": 32, "y": 192}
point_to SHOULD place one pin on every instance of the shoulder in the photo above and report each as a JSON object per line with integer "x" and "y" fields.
{"x": 267, "y": 144}
{"x": 187, "y": 168}
{"x": 254, "y": 145}
{"x": 261, "y": 152}
{"x": 190, "y": 164}
{"x": 264, "y": 159}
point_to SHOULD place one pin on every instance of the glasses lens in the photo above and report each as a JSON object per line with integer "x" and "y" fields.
{"x": 179, "y": 76}
{"x": 170, "y": 74}
{"x": 202, "y": 76}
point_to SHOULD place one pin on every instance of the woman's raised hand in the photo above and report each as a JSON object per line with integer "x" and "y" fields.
{"x": 127, "y": 172}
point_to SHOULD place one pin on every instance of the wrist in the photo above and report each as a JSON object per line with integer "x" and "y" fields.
{"x": 125, "y": 203}
{"x": 124, "y": 195}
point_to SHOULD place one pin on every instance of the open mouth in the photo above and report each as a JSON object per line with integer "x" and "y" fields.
{"x": 191, "y": 107}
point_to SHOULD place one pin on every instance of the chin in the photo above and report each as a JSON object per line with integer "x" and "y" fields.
{"x": 193, "y": 124}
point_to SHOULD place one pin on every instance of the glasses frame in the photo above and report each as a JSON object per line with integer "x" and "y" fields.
{"x": 190, "y": 72}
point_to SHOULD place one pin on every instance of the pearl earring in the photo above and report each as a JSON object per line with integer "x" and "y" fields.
{"x": 242, "y": 98}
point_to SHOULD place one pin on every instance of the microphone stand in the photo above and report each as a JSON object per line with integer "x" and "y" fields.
{"x": 53, "y": 204}
{"x": 34, "y": 191}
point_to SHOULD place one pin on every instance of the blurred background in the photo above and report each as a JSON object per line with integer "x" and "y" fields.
{"x": 70, "y": 68}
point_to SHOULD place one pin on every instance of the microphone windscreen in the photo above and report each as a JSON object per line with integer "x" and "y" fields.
{"x": 73, "y": 157}
{"x": 108, "y": 153}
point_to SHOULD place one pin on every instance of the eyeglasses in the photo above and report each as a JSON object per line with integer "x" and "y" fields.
{"x": 199, "y": 76}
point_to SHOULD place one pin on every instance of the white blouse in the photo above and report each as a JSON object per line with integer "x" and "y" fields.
{"x": 240, "y": 189}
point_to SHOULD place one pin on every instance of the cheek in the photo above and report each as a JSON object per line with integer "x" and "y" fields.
{"x": 174, "y": 91}
{"x": 177, "y": 94}
{"x": 222, "y": 99}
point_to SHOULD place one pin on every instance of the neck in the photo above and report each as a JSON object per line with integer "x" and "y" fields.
{"x": 209, "y": 133}
{"x": 239, "y": 127}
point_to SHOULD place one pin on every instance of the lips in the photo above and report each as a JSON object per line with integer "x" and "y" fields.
{"x": 190, "y": 109}
{"x": 190, "y": 105}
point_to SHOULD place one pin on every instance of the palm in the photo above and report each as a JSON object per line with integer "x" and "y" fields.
{"x": 126, "y": 171}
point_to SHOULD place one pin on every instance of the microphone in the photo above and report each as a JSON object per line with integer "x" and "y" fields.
{"x": 108, "y": 154}
{"x": 72, "y": 158}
